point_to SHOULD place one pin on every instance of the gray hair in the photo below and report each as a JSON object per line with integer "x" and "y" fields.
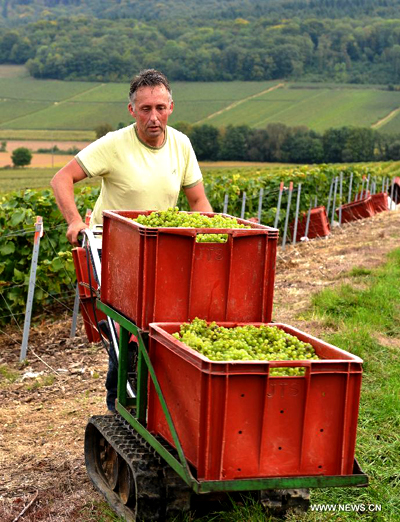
{"x": 148, "y": 78}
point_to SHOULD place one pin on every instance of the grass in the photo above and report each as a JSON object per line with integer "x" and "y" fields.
{"x": 44, "y": 134}
{"x": 317, "y": 108}
{"x": 52, "y": 106}
{"x": 366, "y": 322}
{"x": 8, "y": 375}
{"x": 31, "y": 178}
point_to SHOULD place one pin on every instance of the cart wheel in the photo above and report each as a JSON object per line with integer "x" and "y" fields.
{"x": 135, "y": 481}
{"x": 108, "y": 458}
{"x": 280, "y": 501}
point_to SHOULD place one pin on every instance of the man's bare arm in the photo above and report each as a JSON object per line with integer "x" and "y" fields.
{"x": 63, "y": 188}
{"x": 197, "y": 198}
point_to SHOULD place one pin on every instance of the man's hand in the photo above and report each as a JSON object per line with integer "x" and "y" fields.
{"x": 73, "y": 231}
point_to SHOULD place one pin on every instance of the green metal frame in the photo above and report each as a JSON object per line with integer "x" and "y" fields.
{"x": 181, "y": 466}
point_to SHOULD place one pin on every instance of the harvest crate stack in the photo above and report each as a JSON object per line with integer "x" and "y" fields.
{"x": 233, "y": 419}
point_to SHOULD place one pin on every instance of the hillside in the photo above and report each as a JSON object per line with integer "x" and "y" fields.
{"x": 53, "y": 106}
{"x": 329, "y": 40}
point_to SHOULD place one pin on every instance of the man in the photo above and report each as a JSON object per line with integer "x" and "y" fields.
{"x": 142, "y": 166}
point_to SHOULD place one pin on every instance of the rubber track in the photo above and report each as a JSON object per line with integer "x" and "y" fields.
{"x": 160, "y": 492}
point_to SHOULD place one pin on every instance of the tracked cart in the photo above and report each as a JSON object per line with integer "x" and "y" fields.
{"x": 187, "y": 430}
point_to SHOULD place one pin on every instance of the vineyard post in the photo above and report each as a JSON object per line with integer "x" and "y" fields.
{"x": 296, "y": 218}
{"x": 374, "y": 185}
{"x": 392, "y": 194}
{"x": 308, "y": 221}
{"x": 340, "y": 198}
{"x": 278, "y": 207}
{"x": 387, "y": 186}
{"x": 329, "y": 197}
{"x": 356, "y": 193}
{"x": 350, "y": 187}
{"x": 31, "y": 287}
{"x": 383, "y": 183}
{"x": 243, "y": 205}
{"x": 75, "y": 312}
{"x": 362, "y": 187}
{"x": 334, "y": 201}
{"x": 309, "y": 215}
{"x": 368, "y": 183}
{"x": 225, "y": 209}
{"x": 260, "y": 201}
{"x": 287, "y": 215}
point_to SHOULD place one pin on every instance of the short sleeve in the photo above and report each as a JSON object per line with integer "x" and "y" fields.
{"x": 95, "y": 158}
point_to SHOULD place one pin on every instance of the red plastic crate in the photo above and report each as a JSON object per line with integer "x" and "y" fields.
{"x": 380, "y": 202}
{"x": 89, "y": 319}
{"x": 235, "y": 421}
{"x": 360, "y": 209}
{"x": 318, "y": 226}
{"x": 82, "y": 274}
{"x": 163, "y": 274}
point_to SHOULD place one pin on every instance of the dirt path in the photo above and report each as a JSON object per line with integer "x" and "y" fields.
{"x": 386, "y": 119}
{"x": 41, "y": 440}
{"x": 235, "y": 104}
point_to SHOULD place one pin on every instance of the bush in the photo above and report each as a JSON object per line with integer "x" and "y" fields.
{"x": 21, "y": 157}
{"x": 102, "y": 129}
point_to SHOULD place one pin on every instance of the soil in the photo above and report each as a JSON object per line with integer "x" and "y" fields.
{"x": 42, "y": 160}
{"x": 45, "y": 410}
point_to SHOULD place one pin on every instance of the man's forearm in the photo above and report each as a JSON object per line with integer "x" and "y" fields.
{"x": 63, "y": 189}
{"x": 201, "y": 205}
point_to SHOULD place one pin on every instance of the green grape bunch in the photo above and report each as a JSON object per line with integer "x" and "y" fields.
{"x": 176, "y": 219}
{"x": 246, "y": 343}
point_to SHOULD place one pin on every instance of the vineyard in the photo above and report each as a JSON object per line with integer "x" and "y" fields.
{"x": 249, "y": 193}
{"x": 62, "y": 381}
{"x": 53, "y": 107}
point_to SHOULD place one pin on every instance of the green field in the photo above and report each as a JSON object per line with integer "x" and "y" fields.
{"x": 318, "y": 109}
{"x": 49, "y": 106}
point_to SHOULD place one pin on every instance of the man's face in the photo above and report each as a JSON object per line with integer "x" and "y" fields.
{"x": 151, "y": 110}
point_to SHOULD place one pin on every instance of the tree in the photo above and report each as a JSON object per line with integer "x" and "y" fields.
{"x": 235, "y": 142}
{"x": 102, "y": 129}
{"x": 206, "y": 142}
{"x": 21, "y": 157}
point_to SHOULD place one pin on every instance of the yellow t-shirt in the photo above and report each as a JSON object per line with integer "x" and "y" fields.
{"x": 136, "y": 176}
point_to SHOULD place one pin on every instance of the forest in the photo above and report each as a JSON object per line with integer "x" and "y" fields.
{"x": 328, "y": 40}
{"x": 279, "y": 143}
